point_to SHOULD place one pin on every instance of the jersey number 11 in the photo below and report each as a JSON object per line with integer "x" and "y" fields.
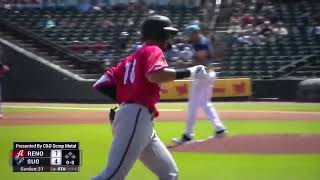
{"x": 129, "y": 74}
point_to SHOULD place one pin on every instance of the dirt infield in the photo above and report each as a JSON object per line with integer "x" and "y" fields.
{"x": 246, "y": 115}
{"x": 45, "y": 118}
{"x": 257, "y": 144}
{"x": 101, "y": 117}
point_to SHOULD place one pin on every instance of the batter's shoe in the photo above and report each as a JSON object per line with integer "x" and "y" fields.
{"x": 184, "y": 139}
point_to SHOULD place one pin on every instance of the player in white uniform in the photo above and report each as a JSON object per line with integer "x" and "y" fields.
{"x": 201, "y": 91}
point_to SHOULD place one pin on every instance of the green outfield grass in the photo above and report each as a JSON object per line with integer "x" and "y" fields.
{"x": 95, "y": 141}
{"x": 241, "y": 167}
{"x": 252, "y": 106}
{"x": 203, "y": 129}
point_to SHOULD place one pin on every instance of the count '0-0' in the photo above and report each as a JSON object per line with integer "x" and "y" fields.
{"x": 69, "y": 162}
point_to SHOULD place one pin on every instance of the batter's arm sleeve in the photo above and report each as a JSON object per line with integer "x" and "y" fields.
{"x": 106, "y": 86}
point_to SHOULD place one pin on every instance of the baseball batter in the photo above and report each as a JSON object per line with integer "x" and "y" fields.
{"x": 201, "y": 91}
{"x": 135, "y": 84}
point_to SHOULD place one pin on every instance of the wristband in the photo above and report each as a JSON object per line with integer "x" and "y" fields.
{"x": 182, "y": 73}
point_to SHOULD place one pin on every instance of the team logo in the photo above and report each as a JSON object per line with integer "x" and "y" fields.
{"x": 19, "y": 157}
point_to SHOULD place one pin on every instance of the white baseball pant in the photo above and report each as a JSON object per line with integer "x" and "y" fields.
{"x": 200, "y": 97}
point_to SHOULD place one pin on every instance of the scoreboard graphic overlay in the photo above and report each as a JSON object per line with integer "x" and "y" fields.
{"x": 46, "y": 157}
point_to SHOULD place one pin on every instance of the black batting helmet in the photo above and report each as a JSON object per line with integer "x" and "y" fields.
{"x": 157, "y": 27}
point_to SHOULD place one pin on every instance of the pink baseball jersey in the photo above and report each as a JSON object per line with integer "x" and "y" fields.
{"x": 130, "y": 77}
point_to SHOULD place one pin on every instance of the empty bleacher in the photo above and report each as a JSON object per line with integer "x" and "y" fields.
{"x": 262, "y": 61}
{"x": 84, "y": 28}
{"x": 84, "y": 35}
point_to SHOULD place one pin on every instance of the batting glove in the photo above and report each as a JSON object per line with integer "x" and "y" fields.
{"x": 198, "y": 72}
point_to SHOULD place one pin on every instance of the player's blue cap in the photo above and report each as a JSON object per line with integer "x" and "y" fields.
{"x": 191, "y": 29}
